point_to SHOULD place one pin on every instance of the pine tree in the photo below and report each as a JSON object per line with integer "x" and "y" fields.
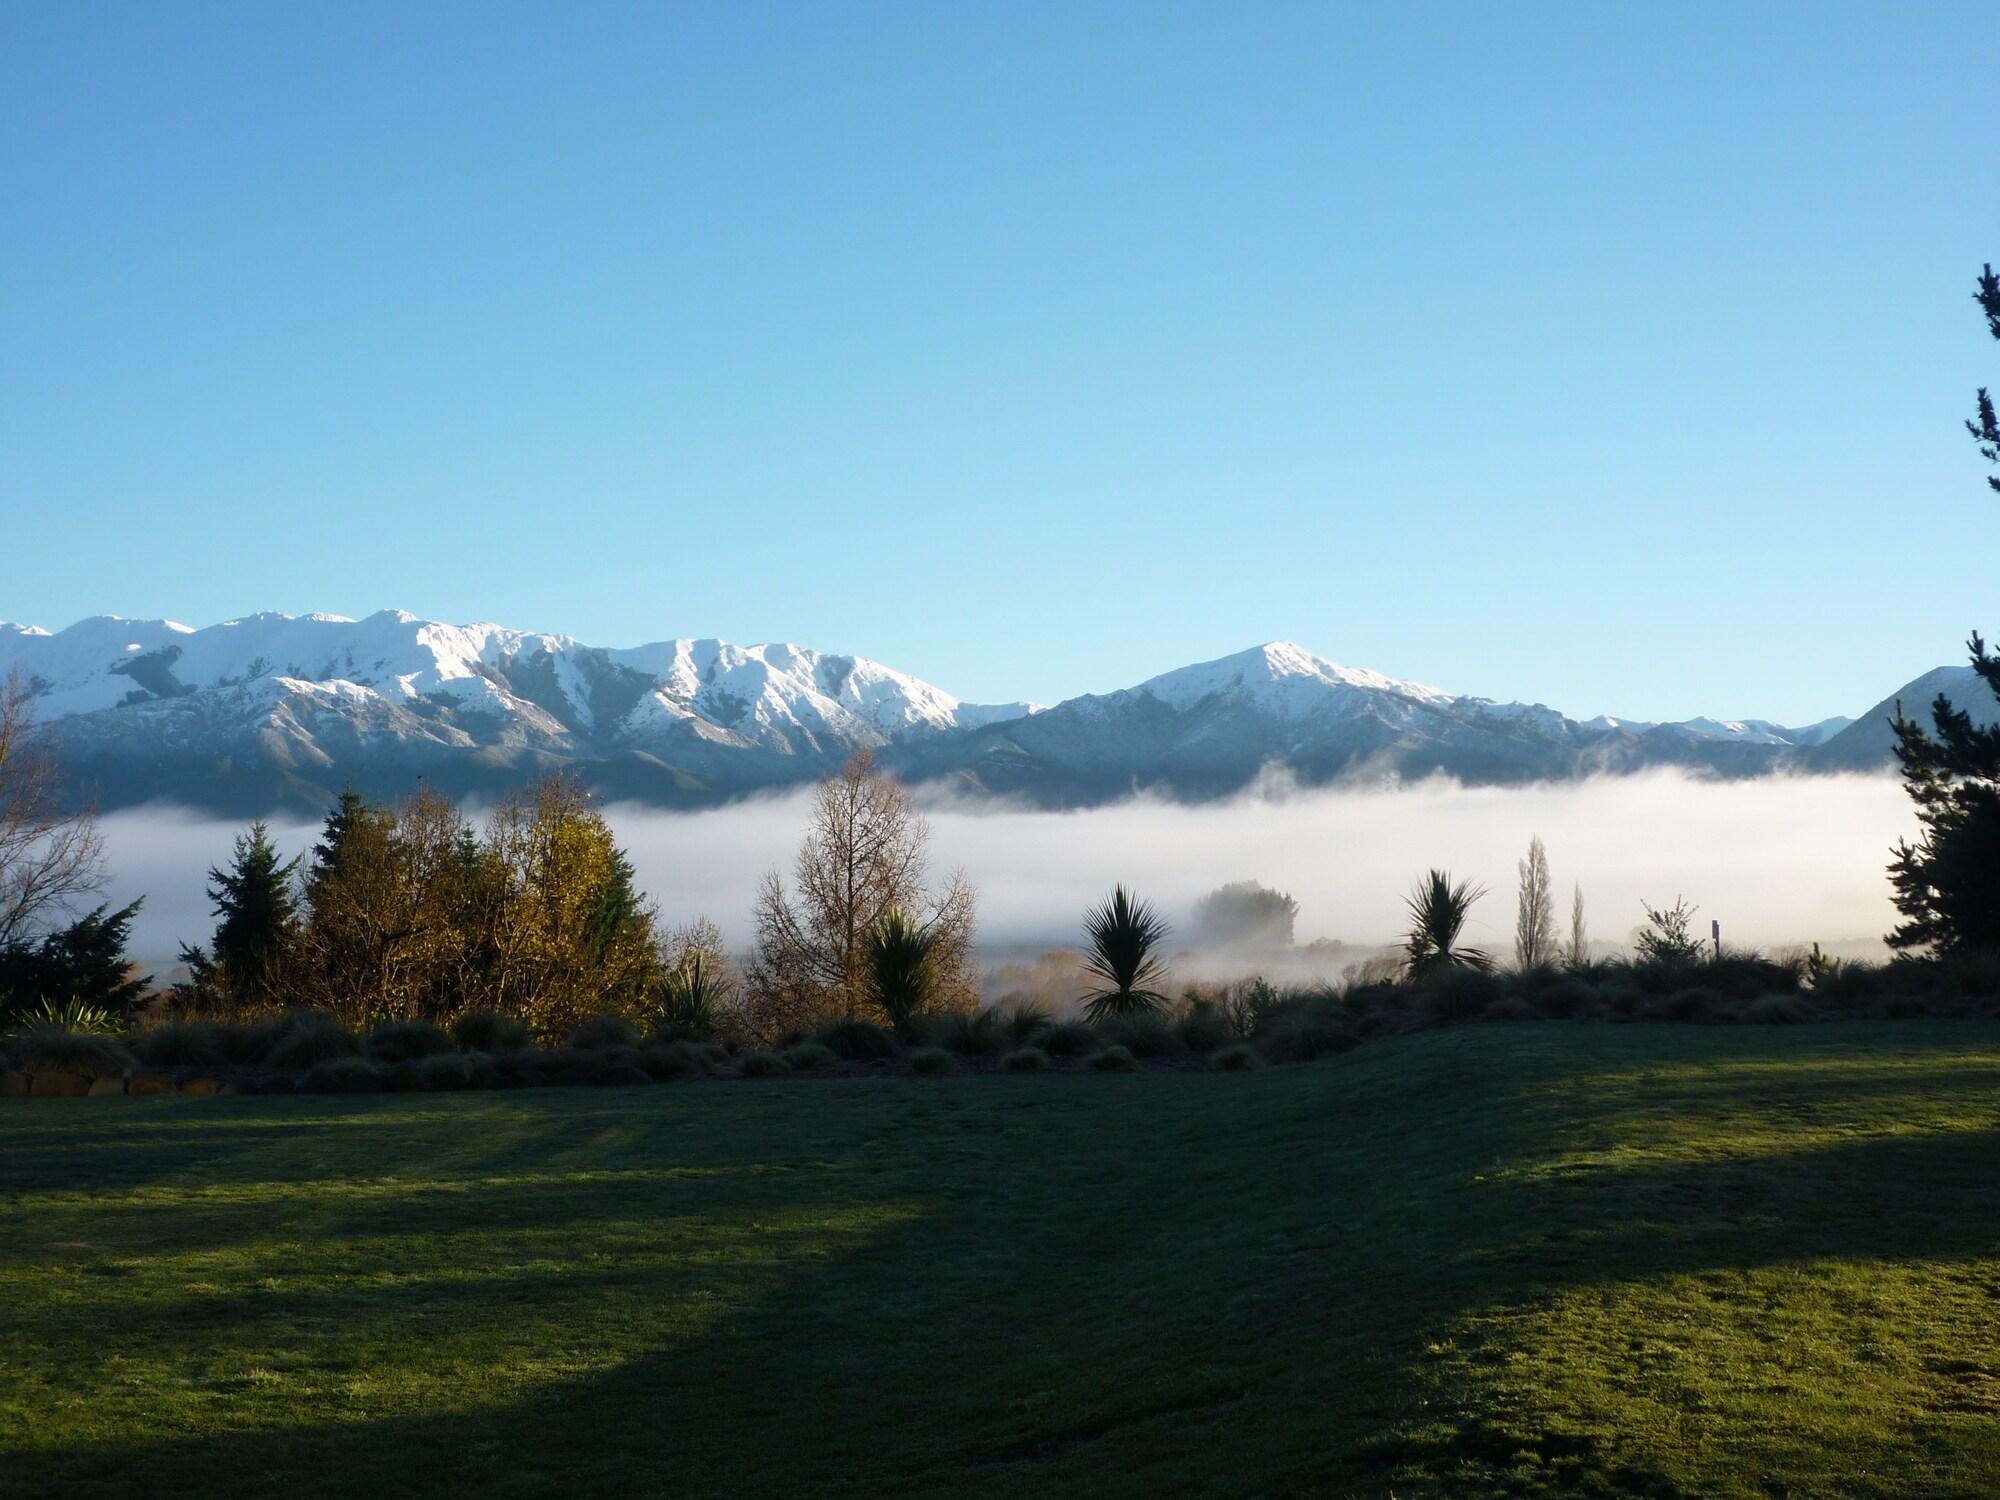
{"x": 253, "y": 897}
{"x": 1947, "y": 884}
{"x": 84, "y": 961}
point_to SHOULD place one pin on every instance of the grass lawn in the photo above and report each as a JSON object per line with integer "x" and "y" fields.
{"x": 1548, "y": 1258}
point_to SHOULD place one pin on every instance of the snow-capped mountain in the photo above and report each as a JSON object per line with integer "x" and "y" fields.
{"x": 1211, "y": 728}
{"x": 283, "y": 710}
{"x": 292, "y": 705}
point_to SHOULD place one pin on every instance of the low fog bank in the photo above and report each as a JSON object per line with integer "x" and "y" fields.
{"x": 1779, "y": 860}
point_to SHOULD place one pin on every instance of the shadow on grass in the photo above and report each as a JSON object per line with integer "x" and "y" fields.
{"x": 1220, "y": 1289}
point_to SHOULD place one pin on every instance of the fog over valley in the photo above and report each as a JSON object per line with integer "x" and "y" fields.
{"x": 1778, "y": 860}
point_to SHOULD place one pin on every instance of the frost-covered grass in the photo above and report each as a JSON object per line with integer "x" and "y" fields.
{"x": 1533, "y": 1259}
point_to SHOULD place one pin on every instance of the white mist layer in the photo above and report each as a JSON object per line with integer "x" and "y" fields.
{"x": 1778, "y": 860}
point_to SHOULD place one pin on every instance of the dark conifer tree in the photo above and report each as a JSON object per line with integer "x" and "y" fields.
{"x": 83, "y": 961}
{"x": 1947, "y": 884}
{"x": 254, "y": 899}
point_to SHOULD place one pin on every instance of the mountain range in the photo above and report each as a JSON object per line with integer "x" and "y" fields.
{"x": 278, "y": 712}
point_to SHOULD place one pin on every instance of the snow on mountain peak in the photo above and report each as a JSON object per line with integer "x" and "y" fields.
{"x": 1279, "y": 677}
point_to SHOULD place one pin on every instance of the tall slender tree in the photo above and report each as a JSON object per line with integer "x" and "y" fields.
{"x": 1947, "y": 884}
{"x": 1535, "y": 912}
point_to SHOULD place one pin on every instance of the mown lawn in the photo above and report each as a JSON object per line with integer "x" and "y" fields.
{"x": 1537, "y": 1259}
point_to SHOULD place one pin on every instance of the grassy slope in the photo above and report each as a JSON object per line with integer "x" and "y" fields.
{"x": 1597, "y": 1259}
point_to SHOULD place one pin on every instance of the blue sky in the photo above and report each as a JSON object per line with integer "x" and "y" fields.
{"x": 1609, "y": 356}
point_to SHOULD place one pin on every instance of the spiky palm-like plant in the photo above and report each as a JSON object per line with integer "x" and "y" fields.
{"x": 692, "y": 996}
{"x": 902, "y": 978}
{"x": 1125, "y": 937}
{"x": 1438, "y": 909}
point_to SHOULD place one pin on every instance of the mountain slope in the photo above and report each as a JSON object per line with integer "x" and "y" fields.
{"x": 280, "y": 710}
{"x": 1868, "y": 741}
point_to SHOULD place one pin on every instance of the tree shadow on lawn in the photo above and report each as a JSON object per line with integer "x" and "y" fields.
{"x": 1097, "y": 1324}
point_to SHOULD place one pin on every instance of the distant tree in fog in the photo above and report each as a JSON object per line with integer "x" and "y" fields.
{"x": 1579, "y": 935}
{"x": 1535, "y": 914}
{"x": 1243, "y": 914}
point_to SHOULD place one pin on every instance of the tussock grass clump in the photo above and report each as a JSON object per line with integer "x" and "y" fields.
{"x": 446, "y": 1070}
{"x": 977, "y": 1033}
{"x": 603, "y": 1033}
{"x": 1204, "y": 1028}
{"x": 1022, "y": 1019}
{"x": 762, "y": 1065}
{"x": 1240, "y": 1058}
{"x": 1316, "y": 1024}
{"x": 1696, "y": 1003}
{"x": 197, "y": 1044}
{"x": 1458, "y": 992}
{"x": 932, "y": 1060}
{"x": 1143, "y": 1036}
{"x": 1025, "y": 1060}
{"x": 810, "y": 1057}
{"x": 490, "y": 1031}
{"x": 549, "y": 1066}
{"x": 1112, "y": 1060}
{"x": 409, "y": 1041}
{"x": 1776, "y": 1010}
{"x": 856, "y": 1041}
{"x": 88, "y": 1054}
{"x": 1066, "y": 1039}
{"x": 300, "y": 1039}
{"x": 344, "y": 1075}
{"x": 674, "y": 1060}
{"x": 622, "y": 1075}
{"x": 1569, "y": 998}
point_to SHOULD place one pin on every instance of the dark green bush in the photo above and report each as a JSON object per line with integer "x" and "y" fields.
{"x": 87, "y": 1054}
{"x": 1237, "y": 1059}
{"x": 856, "y": 1041}
{"x": 408, "y": 1041}
{"x": 602, "y": 1033}
{"x": 1143, "y": 1035}
{"x": 1696, "y": 1003}
{"x": 446, "y": 1070}
{"x": 1776, "y": 1010}
{"x": 809, "y": 1057}
{"x": 1023, "y": 1019}
{"x": 1458, "y": 992}
{"x": 674, "y": 1060}
{"x": 621, "y": 1075}
{"x": 1025, "y": 1060}
{"x": 978, "y": 1033}
{"x": 1510, "y": 1008}
{"x": 301, "y": 1038}
{"x": 1204, "y": 1028}
{"x": 932, "y": 1060}
{"x": 1112, "y": 1060}
{"x": 199, "y": 1044}
{"x": 549, "y": 1066}
{"x": 343, "y": 1075}
{"x": 1567, "y": 999}
{"x": 762, "y": 1065}
{"x": 1065, "y": 1039}
{"x": 490, "y": 1031}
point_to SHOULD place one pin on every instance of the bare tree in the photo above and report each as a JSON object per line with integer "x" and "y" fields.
{"x": 1535, "y": 914}
{"x": 1579, "y": 935}
{"x": 863, "y": 855}
{"x": 51, "y": 855}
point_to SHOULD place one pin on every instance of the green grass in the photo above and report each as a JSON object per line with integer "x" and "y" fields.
{"x": 1531, "y": 1259}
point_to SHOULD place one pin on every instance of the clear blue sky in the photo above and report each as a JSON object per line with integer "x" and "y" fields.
{"x": 1607, "y": 355}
